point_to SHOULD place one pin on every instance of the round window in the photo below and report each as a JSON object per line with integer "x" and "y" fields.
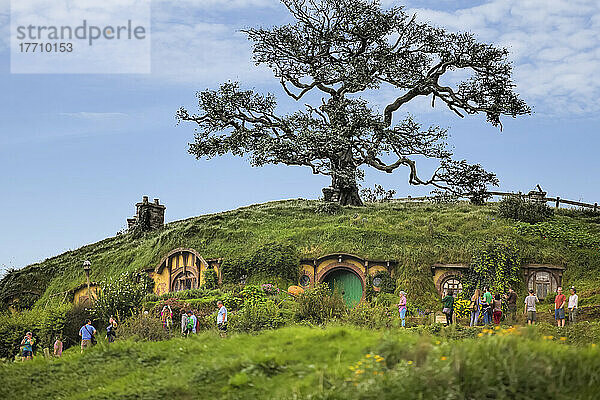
{"x": 304, "y": 280}
{"x": 377, "y": 281}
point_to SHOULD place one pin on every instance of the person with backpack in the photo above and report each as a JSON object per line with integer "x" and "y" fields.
{"x": 222, "y": 319}
{"x": 27, "y": 346}
{"x": 192, "y": 321}
{"x": 184, "y": 323}
{"x": 87, "y": 333}
{"x": 111, "y": 330}
{"x": 475, "y": 307}
{"x": 448, "y": 309}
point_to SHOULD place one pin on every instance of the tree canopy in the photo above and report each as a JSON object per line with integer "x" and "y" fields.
{"x": 340, "y": 49}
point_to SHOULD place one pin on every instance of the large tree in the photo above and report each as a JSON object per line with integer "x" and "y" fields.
{"x": 341, "y": 48}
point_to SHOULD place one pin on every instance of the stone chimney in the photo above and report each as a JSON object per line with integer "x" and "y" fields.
{"x": 148, "y": 216}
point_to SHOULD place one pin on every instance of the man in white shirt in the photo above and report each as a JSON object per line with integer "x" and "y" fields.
{"x": 222, "y": 319}
{"x": 572, "y": 306}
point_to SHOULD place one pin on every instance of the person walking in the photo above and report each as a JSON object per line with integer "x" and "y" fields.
{"x": 448, "y": 309}
{"x": 511, "y": 300}
{"x": 111, "y": 330}
{"x": 58, "y": 347}
{"x": 559, "y": 308}
{"x": 184, "y": 322}
{"x": 27, "y": 346}
{"x": 572, "y": 306}
{"x": 191, "y": 322}
{"x": 530, "y": 309}
{"x": 87, "y": 333}
{"x": 222, "y": 319}
{"x": 475, "y": 307}
{"x": 402, "y": 307}
{"x": 166, "y": 317}
{"x": 497, "y": 309}
{"x": 487, "y": 297}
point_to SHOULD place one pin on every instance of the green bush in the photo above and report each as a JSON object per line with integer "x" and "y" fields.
{"x": 45, "y": 324}
{"x": 211, "y": 280}
{"x": 496, "y": 264}
{"x": 514, "y": 207}
{"x": 256, "y": 316}
{"x": 144, "y": 327}
{"x": 271, "y": 260}
{"x": 371, "y": 316}
{"x": 318, "y": 305}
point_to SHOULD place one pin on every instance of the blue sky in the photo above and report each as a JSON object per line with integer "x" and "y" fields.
{"x": 77, "y": 151}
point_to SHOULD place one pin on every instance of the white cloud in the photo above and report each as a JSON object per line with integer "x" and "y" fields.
{"x": 95, "y": 116}
{"x": 554, "y": 45}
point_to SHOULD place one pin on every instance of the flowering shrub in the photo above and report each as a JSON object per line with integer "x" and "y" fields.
{"x": 270, "y": 289}
{"x": 461, "y": 306}
{"x": 121, "y": 296}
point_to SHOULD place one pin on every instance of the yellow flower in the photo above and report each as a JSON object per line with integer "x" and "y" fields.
{"x": 550, "y": 337}
{"x": 368, "y": 356}
{"x": 443, "y": 358}
{"x": 374, "y": 372}
{"x": 409, "y": 362}
{"x": 359, "y": 371}
{"x": 593, "y": 344}
{"x": 480, "y": 334}
{"x": 563, "y": 338}
{"x": 497, "y": 328}
{"x": 437, "y": 342}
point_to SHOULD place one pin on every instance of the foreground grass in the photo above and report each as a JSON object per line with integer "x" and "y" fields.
{"x": 330, "y": 363}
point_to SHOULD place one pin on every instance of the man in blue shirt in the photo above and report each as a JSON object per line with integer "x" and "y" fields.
{"x": 87, "y": 333}
{"x": 222, "y": 319}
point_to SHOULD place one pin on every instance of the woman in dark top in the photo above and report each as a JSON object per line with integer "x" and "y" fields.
{"x": 497, "y": 310}
{"x": 448, "y": 309}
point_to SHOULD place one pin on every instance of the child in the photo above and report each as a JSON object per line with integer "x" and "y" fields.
{"x": 58, "y": 347}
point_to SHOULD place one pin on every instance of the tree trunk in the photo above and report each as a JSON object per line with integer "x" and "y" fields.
{"x": 343, "y": 192}
{"x": 349, "y": 196}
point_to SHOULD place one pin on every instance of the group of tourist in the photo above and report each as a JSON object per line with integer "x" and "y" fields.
{"x": 190, "y": 324}
{"x": 488, "y": 307}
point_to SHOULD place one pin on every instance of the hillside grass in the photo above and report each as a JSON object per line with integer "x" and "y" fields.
{"x": 336, "y": 362}
{"x": 416, "y": 235}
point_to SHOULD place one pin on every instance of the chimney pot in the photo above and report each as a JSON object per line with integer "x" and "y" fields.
{"x": 145, "y": 199}
{"x": 156, "y": 201}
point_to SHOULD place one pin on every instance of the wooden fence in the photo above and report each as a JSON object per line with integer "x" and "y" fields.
{"x": 536, "y": 196}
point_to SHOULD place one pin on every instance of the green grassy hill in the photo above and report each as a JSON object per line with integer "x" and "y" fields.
{"x": 415, "y": 234}
{"x": 336, "y": 362}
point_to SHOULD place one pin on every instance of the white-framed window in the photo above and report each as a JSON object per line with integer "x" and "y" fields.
{"x": 452, "y": 284}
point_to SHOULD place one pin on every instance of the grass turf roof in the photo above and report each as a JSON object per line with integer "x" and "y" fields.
{"x": 416, "y": 235}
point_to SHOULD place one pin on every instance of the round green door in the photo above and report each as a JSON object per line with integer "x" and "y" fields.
{"x": 346, "y": 283}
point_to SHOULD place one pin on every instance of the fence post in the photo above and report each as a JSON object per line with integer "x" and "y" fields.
{"x": 557, "y": 201}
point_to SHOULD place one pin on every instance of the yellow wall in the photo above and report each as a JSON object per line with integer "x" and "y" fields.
{"x": 81, "y": 295}
{"x": 328, "y": 262}
{"x": 376, "y": 268}
{"x": 161, "y": 281}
